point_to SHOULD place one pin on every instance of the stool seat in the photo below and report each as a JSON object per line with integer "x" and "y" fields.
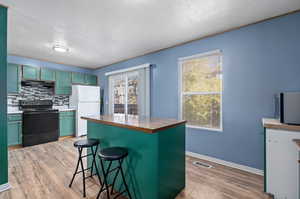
{"x": 113, "y": 153}
{"x": 86, "y": 143}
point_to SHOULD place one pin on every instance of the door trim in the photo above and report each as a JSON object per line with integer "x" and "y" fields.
{"x": 5, "y": 187}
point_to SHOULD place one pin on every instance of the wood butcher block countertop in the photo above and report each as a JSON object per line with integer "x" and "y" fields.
{"x": 275, "y": 124}
{"x": 147, "y": 125}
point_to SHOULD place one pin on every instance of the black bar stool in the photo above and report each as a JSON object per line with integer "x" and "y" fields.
{"x": 80, "y": 145}
{"x": 113, "y": 154}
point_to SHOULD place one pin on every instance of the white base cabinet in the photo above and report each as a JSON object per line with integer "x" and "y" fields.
{"x": 282, "y": 167}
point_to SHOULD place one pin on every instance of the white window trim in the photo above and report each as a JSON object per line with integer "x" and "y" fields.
{"x": 180, "y": 93}
{"x": 128, "y": 69}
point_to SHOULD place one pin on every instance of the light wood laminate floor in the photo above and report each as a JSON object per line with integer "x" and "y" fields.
{"x": 44, "y": 172}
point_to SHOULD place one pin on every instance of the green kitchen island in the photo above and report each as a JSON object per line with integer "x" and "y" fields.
{"x": 155, "y": 166}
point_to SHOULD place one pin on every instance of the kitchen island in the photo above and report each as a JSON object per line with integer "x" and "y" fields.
{"x": 155, "y": 166}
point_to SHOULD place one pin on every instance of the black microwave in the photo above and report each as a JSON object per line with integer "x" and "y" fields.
{"x": 289, "y": 108}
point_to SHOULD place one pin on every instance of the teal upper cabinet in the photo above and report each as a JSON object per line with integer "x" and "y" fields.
{"x": 63, "y": 84}
{"x": 47, "y": 74}
{"x": 13, "y": 81}
{"x": 63, "y": 79}
{"x": 31, "y": 72}
{"x": 91, "y": 79}
{"x": 78, "y": 78}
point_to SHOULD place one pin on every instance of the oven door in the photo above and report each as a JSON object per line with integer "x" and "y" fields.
{"x": 40, "y": 127}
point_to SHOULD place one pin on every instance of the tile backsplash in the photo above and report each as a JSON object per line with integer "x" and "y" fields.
{"x": 37, "y": 92}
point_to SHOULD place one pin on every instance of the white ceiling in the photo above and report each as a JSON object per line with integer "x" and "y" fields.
{"x": 101, "y": 32}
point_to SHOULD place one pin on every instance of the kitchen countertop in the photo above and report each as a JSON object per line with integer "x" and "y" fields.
{"x": 14, "y": 112}
{"x": 61, "y": 109}
{"x": 67, "y": 109}
{"x": 147, "y": 125}
{"x": 275, "y": 124}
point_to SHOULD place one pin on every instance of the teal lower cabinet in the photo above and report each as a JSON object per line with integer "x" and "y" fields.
{"x": 155, "y": 166}
{"x": 14, "y": 129}
{"x": 66, "y": 123}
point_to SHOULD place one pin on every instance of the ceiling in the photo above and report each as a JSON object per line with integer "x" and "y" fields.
{"x": 102, "y": 32}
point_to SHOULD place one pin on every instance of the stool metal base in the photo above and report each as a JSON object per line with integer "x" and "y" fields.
{"x": 94, "y": 153}
{"x": 105, "y": 186}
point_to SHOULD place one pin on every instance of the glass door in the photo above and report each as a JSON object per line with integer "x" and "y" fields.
{"x": 132, "y": 93}
{"x": 124, "y": 94}
{"x": 118, "y": 94}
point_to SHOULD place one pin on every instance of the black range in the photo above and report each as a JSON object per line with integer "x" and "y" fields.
{"x": 40, "y": 122}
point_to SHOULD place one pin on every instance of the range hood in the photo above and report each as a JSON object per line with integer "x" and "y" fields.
{"x": 37, "y": 83}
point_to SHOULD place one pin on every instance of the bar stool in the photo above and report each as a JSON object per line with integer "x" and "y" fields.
{"x": 80, "y": 145}
{"x": 113, "y": 154}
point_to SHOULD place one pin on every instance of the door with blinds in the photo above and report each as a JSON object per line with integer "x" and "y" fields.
{"x": 129, "y": 93}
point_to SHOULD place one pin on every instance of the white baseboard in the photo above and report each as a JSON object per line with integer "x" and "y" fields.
{"x": 226, "y": 163}
{"x": 4, "y": 187}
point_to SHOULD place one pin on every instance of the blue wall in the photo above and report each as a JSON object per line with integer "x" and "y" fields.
{"x": 258, "y": 61}
{"x": 34, "y": 62}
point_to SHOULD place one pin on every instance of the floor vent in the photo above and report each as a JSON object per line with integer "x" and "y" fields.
{"x": 202, "y": 164}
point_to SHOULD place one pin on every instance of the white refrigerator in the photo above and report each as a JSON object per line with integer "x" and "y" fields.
{"x": 86, "y": 101}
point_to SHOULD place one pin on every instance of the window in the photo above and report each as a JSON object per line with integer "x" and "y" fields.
{"x": 129, "y": 91}
{"x": 201, "y": 90}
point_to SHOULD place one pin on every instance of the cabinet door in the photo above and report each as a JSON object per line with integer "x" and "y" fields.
{"x": 13, "y": 78}
{"x": 31, "y": 72}
{"x": 78, "y": 78}
{"x": 63, "y": 84}
{"x": 47, "y": 74}
{"x": 91, "y": 79}
{"x": 67, "y": 125}
{"x": 282, "y": 167}
{"x": 14, "y": 131}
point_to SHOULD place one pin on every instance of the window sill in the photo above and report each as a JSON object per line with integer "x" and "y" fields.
{"x": 203, "y": 128}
